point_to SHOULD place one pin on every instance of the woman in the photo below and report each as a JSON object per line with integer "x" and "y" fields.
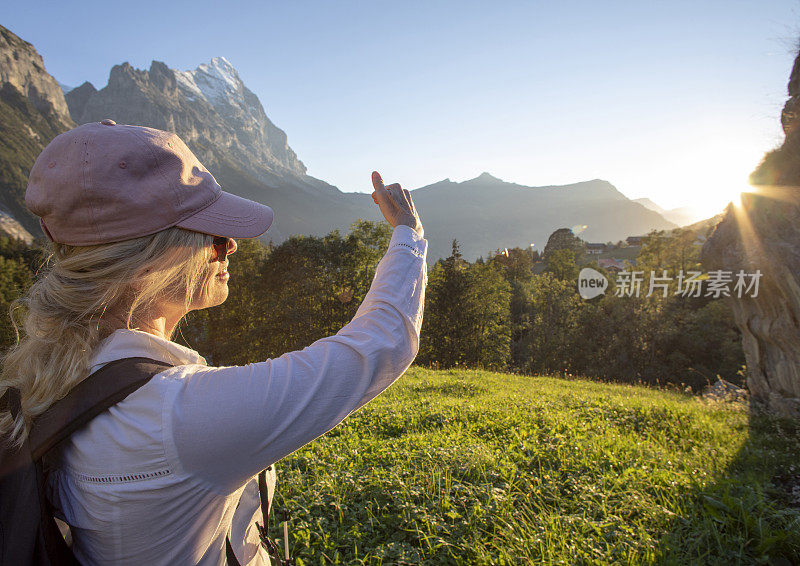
{"x": 142, "y": 234}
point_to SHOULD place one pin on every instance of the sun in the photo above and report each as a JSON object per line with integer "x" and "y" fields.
{"x": 716, "y": 200}
{"x": 711, "y": 172}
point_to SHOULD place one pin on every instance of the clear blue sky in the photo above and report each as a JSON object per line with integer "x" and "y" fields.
{"x": 674, "y": 100}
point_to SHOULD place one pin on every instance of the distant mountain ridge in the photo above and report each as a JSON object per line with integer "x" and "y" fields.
{"x": 486, "y": 213}
{"x": 682, "y": 216}
{"x": 647, "y": 203}
{"x": 224, "y": 123}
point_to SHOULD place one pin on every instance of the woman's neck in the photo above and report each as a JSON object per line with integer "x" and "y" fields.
{"x": 161, "y": 324}
{"x": 158, "y": 327}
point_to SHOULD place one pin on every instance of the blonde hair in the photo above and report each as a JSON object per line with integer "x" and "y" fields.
{"x": 85, "y": 294}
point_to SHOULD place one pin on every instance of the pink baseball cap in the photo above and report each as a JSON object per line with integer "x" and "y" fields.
{"x": 105, "y": 182}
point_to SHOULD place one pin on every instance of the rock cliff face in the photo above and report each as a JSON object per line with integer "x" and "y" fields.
{"x": 764, "y": 234}
{"x": 22, "y": 68}
{"x": 209, "y": 107}
{"x": 32, "y": 112}
{"x": 219, "y": 84}
{"x": 10, "y": 227}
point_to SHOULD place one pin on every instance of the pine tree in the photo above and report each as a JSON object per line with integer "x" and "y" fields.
{"x": 467, "y": 315}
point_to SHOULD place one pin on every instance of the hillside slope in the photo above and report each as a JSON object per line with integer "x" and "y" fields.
{"x": 473, "y": 467}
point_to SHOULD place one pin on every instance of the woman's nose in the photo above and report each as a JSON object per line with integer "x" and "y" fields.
{"x": 232, "y": 246}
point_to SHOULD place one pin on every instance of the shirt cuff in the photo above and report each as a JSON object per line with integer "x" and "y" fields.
{"x": 406, "y": 237}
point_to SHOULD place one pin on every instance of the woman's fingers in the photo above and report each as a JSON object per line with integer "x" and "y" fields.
{"x": 395, "y": 192}
{"x": 395, "y": 203}
{"x": 383, "y": 197}
{"x": 380, "y": 196}
{"x": 409, "y": 201}
{"x": 380, "y": 193}
{"x": 388, "y": 194}
{"x": 377, "y": 180}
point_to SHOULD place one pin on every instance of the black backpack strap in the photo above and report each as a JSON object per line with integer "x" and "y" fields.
{"x": 263, "y": 493}
{"x": 102, "y": 389}
{"x": 230, "y": 557}
{"x": 107, "y": 386}
{"x": 263, "y": 530}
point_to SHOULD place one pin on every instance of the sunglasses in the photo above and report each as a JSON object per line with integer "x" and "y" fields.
{"x": 221, "y": 246}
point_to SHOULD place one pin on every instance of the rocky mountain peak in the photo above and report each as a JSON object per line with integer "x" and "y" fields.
{"x": 486, "y": 177}
{"x": 163, "y": 77}
{"x": 159, "y": 78}
{"x": 209, "y": 107}
{"x": 78, "y": 97}
{"x": 216, "y": 81}
{"x": 121, "y": 75}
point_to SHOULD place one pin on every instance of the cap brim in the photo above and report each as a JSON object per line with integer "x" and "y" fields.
{"x": 231, "y": 216}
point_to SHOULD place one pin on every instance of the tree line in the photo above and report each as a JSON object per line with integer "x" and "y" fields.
{"x": 515, "y": 311}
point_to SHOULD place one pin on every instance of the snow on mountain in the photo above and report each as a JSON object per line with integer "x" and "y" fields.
{"x": 217, "y": 83}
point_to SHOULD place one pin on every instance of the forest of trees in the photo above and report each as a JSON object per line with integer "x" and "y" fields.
{"x": 515, "y": 320}
{"x": 501, "y": 313}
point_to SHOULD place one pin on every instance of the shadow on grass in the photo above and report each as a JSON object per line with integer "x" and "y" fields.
{"x": 751, "y": 513}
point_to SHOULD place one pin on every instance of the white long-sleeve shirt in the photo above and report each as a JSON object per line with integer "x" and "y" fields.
{"x": 165, "y": 475}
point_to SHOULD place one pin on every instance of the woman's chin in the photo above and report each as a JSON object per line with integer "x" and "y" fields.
{"x": 212, "y": 297}
{"x": 221, "y": 296}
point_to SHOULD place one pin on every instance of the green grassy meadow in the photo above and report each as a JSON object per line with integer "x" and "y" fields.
{"x": 476, "y": 467}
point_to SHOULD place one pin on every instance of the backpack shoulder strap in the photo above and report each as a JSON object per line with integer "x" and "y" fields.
{"x": 107, "y": 386}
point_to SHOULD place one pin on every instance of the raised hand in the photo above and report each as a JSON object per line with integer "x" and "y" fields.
{"x": 396, "y": 204}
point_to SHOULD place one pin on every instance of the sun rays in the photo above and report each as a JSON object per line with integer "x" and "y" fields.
{"x": 757, "y": 200}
